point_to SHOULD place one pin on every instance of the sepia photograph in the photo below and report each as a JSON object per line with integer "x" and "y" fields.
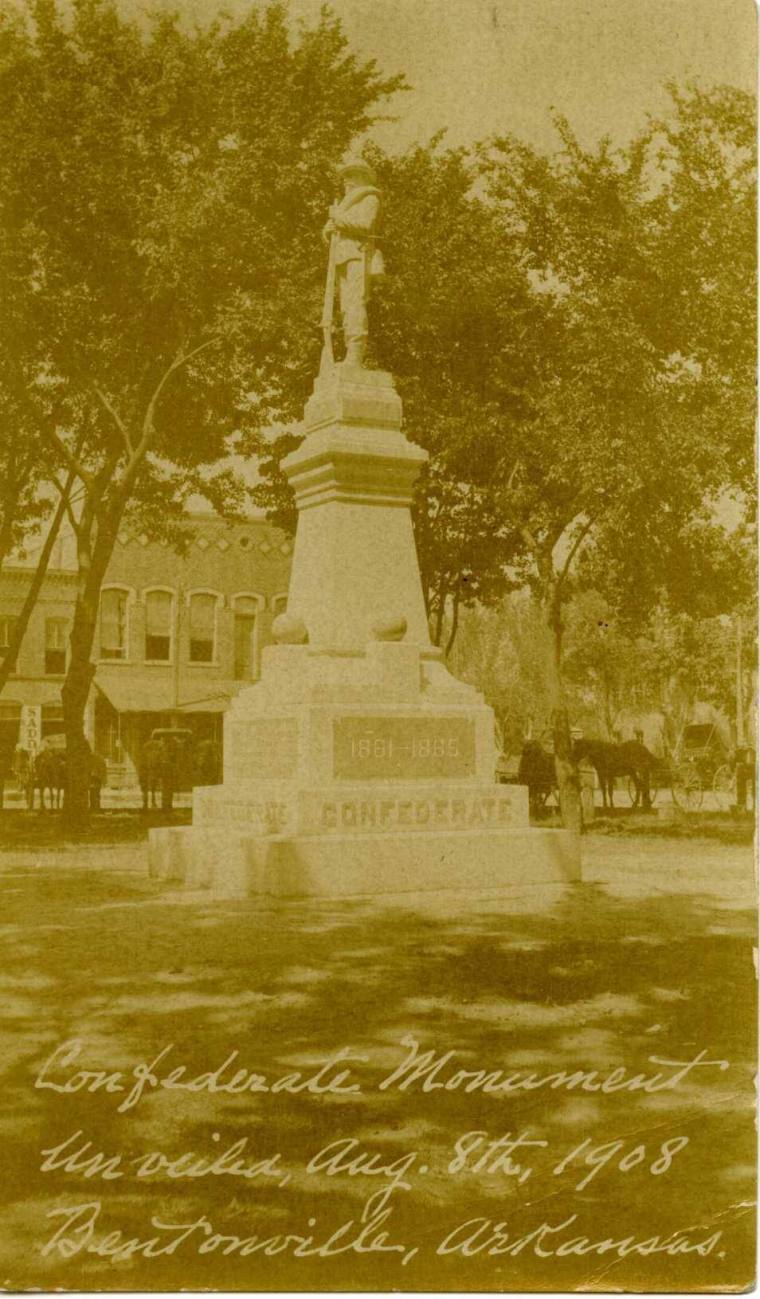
{"x": 378, "y": 645}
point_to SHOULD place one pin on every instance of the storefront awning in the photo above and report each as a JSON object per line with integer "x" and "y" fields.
{"x": 21, "y": 691}
{"x": 127, "y": 695}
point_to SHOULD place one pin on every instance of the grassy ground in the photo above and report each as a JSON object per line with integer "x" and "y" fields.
{"x": 651, "y": 956}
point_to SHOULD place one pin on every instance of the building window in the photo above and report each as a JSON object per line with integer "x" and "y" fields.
{"x": 158, "y": 626}
{"x": 113, "y": 624}
{"x": 245, "y": 631}
{"x": 202, "y": 627}
{"x": 56, "y": 635}
{"x": 51, "y": 720}
{"x": 7, "y": 627}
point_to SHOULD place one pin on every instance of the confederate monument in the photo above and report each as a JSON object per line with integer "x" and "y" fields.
{"x": 354, "y": 261}
{"x": 357, "y": 764}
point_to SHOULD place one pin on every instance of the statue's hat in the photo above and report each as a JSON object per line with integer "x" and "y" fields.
{"x": 357, "y": 166}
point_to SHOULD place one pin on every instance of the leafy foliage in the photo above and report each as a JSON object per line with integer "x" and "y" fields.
{"x": 159, "y": 190}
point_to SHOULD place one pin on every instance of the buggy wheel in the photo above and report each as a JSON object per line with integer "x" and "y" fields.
{"x": 687, "y": 788}
{"x": 723, "y": 787}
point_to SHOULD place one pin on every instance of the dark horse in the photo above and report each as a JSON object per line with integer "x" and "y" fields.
{"x": 207, "y": 763}
{"x": 163, "y": 768}
{"x": 47, "y": 772}
{"x": 631, "y": 759}
{"x": 538, "y": 772}
{"x": 155, "y": 772}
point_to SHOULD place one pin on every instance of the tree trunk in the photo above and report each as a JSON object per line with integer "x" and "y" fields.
{"x": 608, "y": 714}
{"x": 11, "y": 497}
{"x": 454, "y": 623}
{"x": 30, "y": 600}
{"x": 439, "y": 613}
{"x": 93, "y": 562}
{"x": 74, "y": 694}
{"x": 568, "y": 780}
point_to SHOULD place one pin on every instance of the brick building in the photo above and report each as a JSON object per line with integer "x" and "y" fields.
{"x": 178, "y": 635}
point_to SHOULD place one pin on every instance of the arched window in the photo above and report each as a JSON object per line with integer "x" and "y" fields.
{"x": 159, "y": 610}
{"x": 114, "y": 603}
{"x": 245, "y": 609}
{"x": 202, "y": 626}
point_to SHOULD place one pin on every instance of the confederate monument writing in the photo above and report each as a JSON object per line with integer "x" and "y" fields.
{"x": 357, "y": 764}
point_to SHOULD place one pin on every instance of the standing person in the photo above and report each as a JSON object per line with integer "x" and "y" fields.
{"x": 354, "y": 259}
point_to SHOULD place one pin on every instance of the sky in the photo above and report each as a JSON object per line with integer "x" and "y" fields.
{"x": 479, "y": 67}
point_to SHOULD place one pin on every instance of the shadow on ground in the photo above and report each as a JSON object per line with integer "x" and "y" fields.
{"x": 650, "y": 958}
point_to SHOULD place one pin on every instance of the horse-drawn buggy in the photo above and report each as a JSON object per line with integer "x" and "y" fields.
{"x": 702, "y": 762}
{"x": 599, "y": 763}
{"x": 538, "y": 770}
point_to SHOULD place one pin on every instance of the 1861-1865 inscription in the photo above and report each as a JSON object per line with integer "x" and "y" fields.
{"x": 366, "y": 748}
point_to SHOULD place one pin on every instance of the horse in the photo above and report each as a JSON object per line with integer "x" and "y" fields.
{"x": 538, "y": 772}
{"x": 207, "y": 763}
{"x": 153, "y": 774}
{"x": 631, "y": 758}
{"x": 47, "y": 772}
{"x": 161, "y": 766}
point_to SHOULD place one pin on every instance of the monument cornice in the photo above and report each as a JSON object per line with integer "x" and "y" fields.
{"x": 340, "y": 465}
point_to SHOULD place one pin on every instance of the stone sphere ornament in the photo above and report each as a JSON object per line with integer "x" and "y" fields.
{"x": 391, "y": 628}
{"x": 288, "y": 629}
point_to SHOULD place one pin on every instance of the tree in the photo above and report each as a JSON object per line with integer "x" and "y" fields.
{"x": 162, "y": 193}
{"x": 527, "y": 319}
{"x": 618, "y": 397}
{"x": 26, "y": 506}
{"x": 499, "y": 650}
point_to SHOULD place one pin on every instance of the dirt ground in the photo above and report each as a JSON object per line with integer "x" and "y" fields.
{"x": 650, "y": 957}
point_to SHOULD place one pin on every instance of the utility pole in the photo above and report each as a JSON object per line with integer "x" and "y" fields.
{"x": 176, "y": 649}
{"x": 739, "y": 686}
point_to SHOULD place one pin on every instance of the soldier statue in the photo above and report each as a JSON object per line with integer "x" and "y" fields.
{"x": 355, "y": 261}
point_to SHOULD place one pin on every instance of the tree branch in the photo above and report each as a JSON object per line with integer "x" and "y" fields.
{"x": 574, "y": 548}
{"x": 119, "y": 422}
{"x": 528, "y": 536}
{"x": 65, "y": 492}
{"x": 175, "y": 365}
{"x": 73, "y": 462}
{"x": 140, "y": 450}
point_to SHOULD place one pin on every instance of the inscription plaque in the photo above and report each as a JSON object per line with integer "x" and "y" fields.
{"x": 264, "y": 749}
{"x": 411, "y": 748}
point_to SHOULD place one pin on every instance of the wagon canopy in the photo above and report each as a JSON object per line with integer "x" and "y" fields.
{"x": 702, "y": 738}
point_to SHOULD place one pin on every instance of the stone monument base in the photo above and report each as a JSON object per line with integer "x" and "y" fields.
{"x": 234, "y": 865}
{"x": 356, "y": 775}
{"x": 358, "y": 765}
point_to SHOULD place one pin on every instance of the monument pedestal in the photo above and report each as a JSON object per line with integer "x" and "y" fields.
{"x": 357, "y": 764}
